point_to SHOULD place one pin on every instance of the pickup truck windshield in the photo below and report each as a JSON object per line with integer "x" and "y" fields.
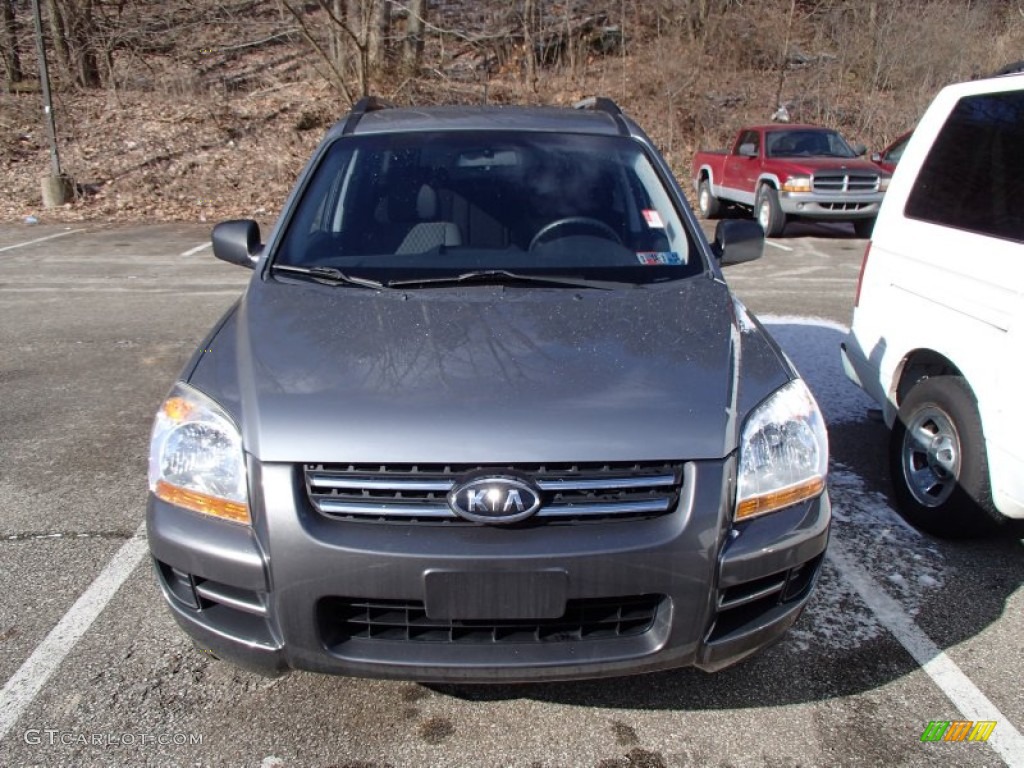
{"x": 807, "y": 143}
{"x": 421, "y": 207}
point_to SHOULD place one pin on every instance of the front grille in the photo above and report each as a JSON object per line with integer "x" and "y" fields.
{"x": 343, "y": 619}
{"x": 418, "y": 493}
{"x": 845, "y": 182}
{"x": 845, "y": 206}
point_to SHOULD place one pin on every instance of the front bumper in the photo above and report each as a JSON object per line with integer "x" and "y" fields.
{"x": 831, "y": 207}
{"x": 674, "y": 590}
{"x": 863, "y": 370}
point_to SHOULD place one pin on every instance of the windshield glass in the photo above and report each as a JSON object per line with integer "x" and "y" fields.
{"x": 421, "y": 206}
{"x": 807, "y": 143}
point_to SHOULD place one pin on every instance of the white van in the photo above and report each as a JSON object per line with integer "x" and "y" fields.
{"x": 938, "y": 325}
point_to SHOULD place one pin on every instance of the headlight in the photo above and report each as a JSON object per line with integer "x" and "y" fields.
{"x": 195, "y": 457}
{"x": 783, "y": 453}
{"x": 797, "y": 184}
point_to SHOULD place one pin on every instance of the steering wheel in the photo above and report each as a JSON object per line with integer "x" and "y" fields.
{"x": 585, "y": 221}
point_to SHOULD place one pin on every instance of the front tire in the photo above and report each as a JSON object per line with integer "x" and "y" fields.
{"x": 709, "y": 205}
{"x": 938, "y": 463}
{"x": 768, "y": 212}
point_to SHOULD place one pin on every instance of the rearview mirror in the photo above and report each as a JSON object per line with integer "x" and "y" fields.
{"x": 237, "y": 242}
{"x": 738, "y": 241}
{"x": 748, "y": 150}
{"x": 876, "y": 157}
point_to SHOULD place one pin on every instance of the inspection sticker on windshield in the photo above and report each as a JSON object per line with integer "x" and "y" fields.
{"x": 658, "y": 257}
{"x": 653, "y": 218}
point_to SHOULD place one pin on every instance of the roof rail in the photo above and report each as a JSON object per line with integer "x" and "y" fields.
{"x": 606, "y": 105}
{"x": 600, "y": 103}
{"x": 1009, "y": 69}
{"x": 360, "y": 108}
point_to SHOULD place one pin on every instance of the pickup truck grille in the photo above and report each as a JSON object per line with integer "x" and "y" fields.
{"x": 418, "y": 493}
{"x": 845, "y": 182}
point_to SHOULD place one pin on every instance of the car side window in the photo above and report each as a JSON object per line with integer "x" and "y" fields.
{"x": 971, "y": 178}
{"x": 748, "y": 137}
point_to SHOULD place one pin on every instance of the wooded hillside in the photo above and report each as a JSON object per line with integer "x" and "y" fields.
{"x": 198, "y": 110}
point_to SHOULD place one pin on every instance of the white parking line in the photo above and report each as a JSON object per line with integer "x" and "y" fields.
{"x": 38, "y": 240}
{"x": 24, "y": 684}
{"x": 197, "y": 249}
{"x": 780, "y": 246}
{"x": 965, "y": 695}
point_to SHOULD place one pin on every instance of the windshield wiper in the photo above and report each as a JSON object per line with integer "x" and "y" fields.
{"x": 328, "y": 276}
{"x": 502, "y": 277}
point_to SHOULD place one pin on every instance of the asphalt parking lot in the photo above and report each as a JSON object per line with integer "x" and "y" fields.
{"x": 96, "y": 321}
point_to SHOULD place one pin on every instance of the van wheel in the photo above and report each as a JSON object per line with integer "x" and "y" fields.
{"x": 769, "y": 212}
{"x": 938, "y": 463}
{"x": 710, "y": 206}
{"x": 864, "y": 227}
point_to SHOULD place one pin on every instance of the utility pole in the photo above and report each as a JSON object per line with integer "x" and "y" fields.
{"x": 56, "y": 187}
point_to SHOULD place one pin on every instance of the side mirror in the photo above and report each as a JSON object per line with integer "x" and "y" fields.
{"x": 859, "y": 149}
{"x": 237, "y": 242}
{"x": 748, "y": 150}
{"x": 738, "y": 241}
{"x": 876, "y": 157}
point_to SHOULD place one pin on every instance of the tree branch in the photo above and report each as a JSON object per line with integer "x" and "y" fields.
{"x": 337, "y": 76}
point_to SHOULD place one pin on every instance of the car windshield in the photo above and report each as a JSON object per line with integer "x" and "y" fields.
{"x": 807, "y": 143}
{"x": 401, "y": 208}
{"x": 895, "y": 152}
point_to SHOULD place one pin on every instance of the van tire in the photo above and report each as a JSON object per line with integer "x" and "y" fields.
{"x": 709, "y": 205}
{"x": 768, "y": 212}
{"x": 942, "y": 487}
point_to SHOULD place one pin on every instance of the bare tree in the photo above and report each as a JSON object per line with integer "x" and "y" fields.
{"x": 379, "y": 29}
{"x": 84, "y": 39}
{"x": 58, "y": 36}
{"x": 76, "y": 40}
{"x": 412, "y": 44}
{"x": 9, "y": 44}
{"x": 357, "y": 44}
{"x": 529, "y": 47}
{"x": 784, "y": 55}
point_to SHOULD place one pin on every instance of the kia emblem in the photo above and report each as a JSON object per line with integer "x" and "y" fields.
{"x": 494, "y": 499}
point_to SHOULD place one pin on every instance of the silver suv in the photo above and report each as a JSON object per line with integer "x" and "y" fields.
{"x": 487, "y": 411}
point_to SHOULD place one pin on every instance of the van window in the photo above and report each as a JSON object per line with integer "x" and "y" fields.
{"x": 972, "y": 176}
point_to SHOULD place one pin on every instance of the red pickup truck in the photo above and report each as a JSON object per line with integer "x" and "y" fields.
{"x": 784, "y": 172}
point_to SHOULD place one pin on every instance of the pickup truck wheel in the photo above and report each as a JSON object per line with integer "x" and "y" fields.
{"x": 768, "y": 212}
{"x": 710, "y": 206}
{"x": 938, "y": 463}
{"x": 864, "y": 227}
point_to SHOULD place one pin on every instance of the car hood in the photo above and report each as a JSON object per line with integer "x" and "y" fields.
{"x": 488, "y": 375}
{"x": 812, "y": 165}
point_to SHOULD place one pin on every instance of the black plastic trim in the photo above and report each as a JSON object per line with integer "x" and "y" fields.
{"x": 360, "y": 108}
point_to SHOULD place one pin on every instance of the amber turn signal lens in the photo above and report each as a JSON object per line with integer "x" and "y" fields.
{"x": 769, "y": 502}
{"x": 177, "y": 409}
{"x": 200, "y": 502}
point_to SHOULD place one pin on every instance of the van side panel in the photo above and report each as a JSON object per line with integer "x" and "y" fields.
{"x": 959, "y": 293}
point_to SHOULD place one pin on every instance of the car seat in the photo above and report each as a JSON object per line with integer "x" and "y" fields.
{"x": 428, "y": 234}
